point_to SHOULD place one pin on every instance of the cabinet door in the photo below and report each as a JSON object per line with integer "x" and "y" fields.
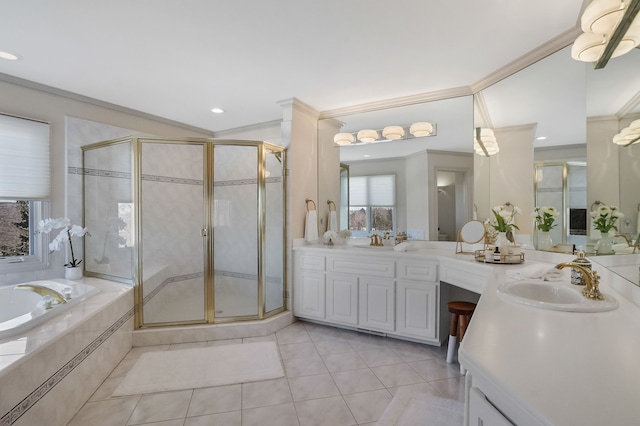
{"x": 376, "y": 304}
{"x": 342, "y": 298}
{"x": 483, "y": 413}
{"x": 416, "y": 309}
{"x": 309, "y": 294}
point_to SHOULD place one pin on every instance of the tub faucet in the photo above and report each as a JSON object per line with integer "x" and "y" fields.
{"x": 58, "y": 298}
{"x": 375, "y": 241}
{"x": 626, "y": 238}
{"x": 591, "y": 279}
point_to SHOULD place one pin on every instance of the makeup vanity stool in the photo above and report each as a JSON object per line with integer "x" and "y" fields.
{"x": 460, "y": 316}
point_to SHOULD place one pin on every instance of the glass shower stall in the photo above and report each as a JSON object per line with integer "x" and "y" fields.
{"x": 196, "y": 225}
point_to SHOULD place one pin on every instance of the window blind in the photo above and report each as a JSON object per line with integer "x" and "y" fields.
{"x": 24, "y": 159}
{"x": 372, "y": 190}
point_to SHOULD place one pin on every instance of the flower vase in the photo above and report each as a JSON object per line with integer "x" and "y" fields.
{"x": 605, "y": 244}
{"x": 73, "y": 273}
{"x": 503, "y": 243}
{"x": 544, "y": 241}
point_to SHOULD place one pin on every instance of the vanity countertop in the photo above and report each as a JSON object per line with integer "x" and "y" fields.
{"x": 561, "y": 368}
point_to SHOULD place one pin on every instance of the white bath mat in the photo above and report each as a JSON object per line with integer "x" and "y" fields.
{"x": 202, "y": 367}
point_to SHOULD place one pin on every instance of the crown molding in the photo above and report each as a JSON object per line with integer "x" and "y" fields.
{"x": 298, "y": 105}
{"x": 398, "y": 102}
{"x": 629, "y": 106}
{"x": 561, "y": 41}
{"x": 86, "y": 99}
{"x": 516, "y": 128}
{"x": 250, "y": 127}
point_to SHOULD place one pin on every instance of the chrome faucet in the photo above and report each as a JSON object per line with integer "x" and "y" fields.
{"x": 591, "y": 279}
{"x": 58, "y": 298}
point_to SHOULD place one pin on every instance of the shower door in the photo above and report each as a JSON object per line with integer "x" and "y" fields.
{"x": 235, "y": 231}
{"x": 173, "y": 189}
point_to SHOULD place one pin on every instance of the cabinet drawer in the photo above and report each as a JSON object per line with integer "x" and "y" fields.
{"x": 420, "y": 271}
{"x": 353, "y": 265}
{"x": 311, "y": 263}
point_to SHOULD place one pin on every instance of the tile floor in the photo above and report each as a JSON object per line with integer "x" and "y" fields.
{"x": 333, "y": 377}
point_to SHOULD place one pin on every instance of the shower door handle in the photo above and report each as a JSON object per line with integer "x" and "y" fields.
{"x": 203, "y": 232}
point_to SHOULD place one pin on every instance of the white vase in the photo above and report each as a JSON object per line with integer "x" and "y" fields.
{"x": 605, "y": 244}
{"x": 544, "y": 241}
{"x": 73, "y": 273}
{"x": 503, "y": 243}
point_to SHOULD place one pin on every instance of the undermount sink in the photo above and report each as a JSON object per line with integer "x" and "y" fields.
{"x": 367, "y": 246}
{"x": 556, "y": 296}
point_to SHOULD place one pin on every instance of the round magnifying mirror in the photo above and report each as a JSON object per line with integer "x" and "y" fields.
{"x": 472, "y": 232}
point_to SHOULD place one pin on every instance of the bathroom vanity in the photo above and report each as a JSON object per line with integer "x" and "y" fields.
{"x": 525, "y": 365}
{"x": 377, "y": 289}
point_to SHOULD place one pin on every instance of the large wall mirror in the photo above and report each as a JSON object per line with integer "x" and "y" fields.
{"x": 431, "y": 177}
{"x": 556, "y": 120}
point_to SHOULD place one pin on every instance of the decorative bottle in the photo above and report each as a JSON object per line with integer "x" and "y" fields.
{"x": 576, "y": 276}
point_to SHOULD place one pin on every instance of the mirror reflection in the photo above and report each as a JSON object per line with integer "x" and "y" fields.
{"x": 431, "y": 174}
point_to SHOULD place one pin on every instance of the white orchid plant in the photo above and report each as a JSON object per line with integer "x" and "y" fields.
{"x": 605, "y": 217}
{"x": 545, "y": 217}
{"x": 67, "y": 231}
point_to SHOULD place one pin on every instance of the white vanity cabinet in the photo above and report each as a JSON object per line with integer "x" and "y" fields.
{"x": 417, "y": 299}
{"x": 309, "y": 292}
{"x": 389, "y": 294}
{"x": 482, "y": 412}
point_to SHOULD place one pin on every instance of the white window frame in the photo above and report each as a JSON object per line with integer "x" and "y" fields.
{"x": 368, "y": 207}
{"x": 40, "y": 242}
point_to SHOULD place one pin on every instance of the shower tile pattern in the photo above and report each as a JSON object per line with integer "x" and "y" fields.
{"x": 310, "y": 394}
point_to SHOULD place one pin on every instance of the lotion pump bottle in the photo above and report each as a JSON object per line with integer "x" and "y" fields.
{"x": 576, "y": 276}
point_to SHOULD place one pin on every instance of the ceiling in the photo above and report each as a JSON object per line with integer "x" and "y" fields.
{"x": 178, "y": 59}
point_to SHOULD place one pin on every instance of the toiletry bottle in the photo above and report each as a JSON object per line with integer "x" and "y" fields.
{"x": 496, "y": 255}
{"x": 576, "y": 276}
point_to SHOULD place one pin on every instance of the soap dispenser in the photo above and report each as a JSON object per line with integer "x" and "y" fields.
{"x": 576, "y": 276}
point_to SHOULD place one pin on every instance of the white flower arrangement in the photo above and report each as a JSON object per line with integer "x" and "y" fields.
{"x": 47, "y": 225}
{"x": 605, "y": 217}
{"x": 345, "y": 233}
{"x": 330, "y": 236}
{"x": 545, "y": 217}
{"x": 503, "y": 220}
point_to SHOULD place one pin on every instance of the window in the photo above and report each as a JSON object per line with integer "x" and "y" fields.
{"x": 372, "y": 204}
{"x": 24, "y": 193}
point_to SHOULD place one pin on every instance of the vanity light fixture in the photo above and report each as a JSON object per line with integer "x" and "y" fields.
{"x": 421, "y": 129}
{"x": 629, "y": 135}
{"x": 392, "y": 132}
{"x": 485, "y": 142}
{"x": 368, "y": 135}
{"x": 610, "y": 28}
{"x": 344, "y": 138}
{"x": 389, "y": 133}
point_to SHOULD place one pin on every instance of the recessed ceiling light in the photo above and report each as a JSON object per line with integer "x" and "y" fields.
{"x": 8, "y": 56}
{"x": 366, "y": 155}
{"x": 217, "y": 110}
{"x": 541, "y": 138}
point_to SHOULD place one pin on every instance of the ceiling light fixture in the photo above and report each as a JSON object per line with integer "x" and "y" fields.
{"x": 485, "y": 142}
{"x": 610, "y": 28}
{"x": 629, "y": 135}
{"x": 8, "y": 56}
{"x": 541, "y": 138}
{"x": 344, "y": 138}
{"x": 217, "y": 110}
{"x": 368, "y": 135}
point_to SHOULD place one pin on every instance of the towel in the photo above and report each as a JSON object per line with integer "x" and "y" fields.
{"x": 332, "y": 222}
{"x": 311, "y": 227}
{"x": 543, "y": 272}
{"x": 402, "y": 246}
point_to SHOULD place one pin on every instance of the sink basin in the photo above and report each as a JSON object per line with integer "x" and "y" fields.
{"x": 367, "y": 246}
{"x": 556, "y": 296}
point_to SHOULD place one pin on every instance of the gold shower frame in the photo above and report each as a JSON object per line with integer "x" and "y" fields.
{"x": 209, "y": 299}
